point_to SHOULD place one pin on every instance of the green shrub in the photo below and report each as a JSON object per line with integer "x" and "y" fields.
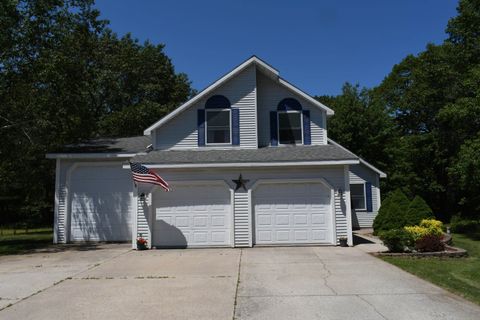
{"x": 392, "y": 212}
{"x": 430, "y": 243}
{"x": 418, "y": 210}
{"x": 464, "y": 226}
{"x": 396, "y": 240}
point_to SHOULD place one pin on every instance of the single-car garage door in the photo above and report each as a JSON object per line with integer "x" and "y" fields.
{"x": 293, "y": 213}
{"x": 196, "y": 214}
{"x": 101, "y": 203}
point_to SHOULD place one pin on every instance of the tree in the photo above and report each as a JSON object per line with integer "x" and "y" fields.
{"x": 465, "y": 174}
{"x": 360, "y": 123}
{"x": 64, "y": 78}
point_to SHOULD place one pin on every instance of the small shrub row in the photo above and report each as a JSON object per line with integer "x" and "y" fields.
{"x": 426, "y": 237}
{"x": 464, "y": 226}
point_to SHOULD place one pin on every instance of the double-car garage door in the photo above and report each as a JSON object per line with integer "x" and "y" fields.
{"x": 200, "y": 214}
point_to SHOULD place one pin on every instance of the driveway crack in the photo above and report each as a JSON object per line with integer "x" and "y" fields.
{"x": 373, "y": 307}
{"x": 328, "y": 274}
{"x": 238, "y": 284}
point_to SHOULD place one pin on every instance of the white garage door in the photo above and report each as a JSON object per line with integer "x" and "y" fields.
{"x": 292, "y": 213}
{"x": 101, "y": 203}
{"x": 193, "y": 215}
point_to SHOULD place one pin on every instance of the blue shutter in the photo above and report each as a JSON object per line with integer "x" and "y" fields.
{"x": 201, "y": 127}
{"x": 273, "y": 128}
{"x": 307, "y": 138}
{"x": 235, "y": 126}
{"x": 368, "y": 195}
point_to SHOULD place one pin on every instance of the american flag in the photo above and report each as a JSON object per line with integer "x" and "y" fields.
{"x": 144, "y": 175}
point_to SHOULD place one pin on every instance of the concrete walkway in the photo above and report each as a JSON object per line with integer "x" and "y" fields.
{"x": 260, "y": 283}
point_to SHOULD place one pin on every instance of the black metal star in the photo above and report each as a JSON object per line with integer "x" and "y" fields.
{"x": 240, "y": 182}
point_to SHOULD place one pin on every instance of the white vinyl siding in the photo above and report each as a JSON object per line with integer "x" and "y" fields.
{"x": 181, "y": 131}
{"x": 360, "y": 174}
{"x": 242, "y": 221}
{"x": 270, "y": 94}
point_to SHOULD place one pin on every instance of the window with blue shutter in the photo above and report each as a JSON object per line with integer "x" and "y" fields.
{"x": 235, "y": 126}
{"x": 201, "y": 127}
{"x": 368, "y": 195}
{"x": 307, "y": 139}
{"x": 273, "y": 128}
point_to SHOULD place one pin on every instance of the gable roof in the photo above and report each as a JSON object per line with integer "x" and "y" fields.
{"x": 254, "y": 60}
{"x": 362, "y": 161}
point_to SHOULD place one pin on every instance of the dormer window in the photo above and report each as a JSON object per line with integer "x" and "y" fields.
{"x": 290, "y": 127}
{"x": 218, "y": 126}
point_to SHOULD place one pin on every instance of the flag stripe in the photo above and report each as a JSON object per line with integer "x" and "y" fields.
{"x": 142, "y": 174}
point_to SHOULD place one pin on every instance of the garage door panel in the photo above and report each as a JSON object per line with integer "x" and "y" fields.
{"x": 292, "y": 213}
{"x": 201, "y": 213}
{"x": 319, "y": 235}
{"x": 101, "y": 204}
{"x": 300, "y": 235}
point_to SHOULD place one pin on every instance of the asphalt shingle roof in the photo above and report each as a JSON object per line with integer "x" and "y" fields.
{"x": 110, "y": 145}
{"x": 268, "y": 154}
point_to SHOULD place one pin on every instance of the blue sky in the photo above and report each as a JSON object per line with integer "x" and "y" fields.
{"x": 316, "y": 45}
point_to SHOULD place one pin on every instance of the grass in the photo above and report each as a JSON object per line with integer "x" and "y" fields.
{"x": 458, "y": 275}
{"x": 24, "y": 242}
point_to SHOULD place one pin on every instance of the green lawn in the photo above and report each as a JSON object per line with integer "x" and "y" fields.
{"x": 24, "y": 242}
{"x": 458, "y": 275}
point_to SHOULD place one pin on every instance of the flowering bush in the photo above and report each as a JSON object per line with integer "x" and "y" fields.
{"x": 428, "y": 227}
{"x": 141, "y": 243}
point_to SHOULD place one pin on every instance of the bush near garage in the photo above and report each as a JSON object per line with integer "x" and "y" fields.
{"x": 418, "y": 210}
{"x": 397, "y": 240}
{"x": 397, "y": 211}
{"x": 392, "y": 212}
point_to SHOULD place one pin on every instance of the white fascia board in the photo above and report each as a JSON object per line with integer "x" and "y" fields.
{"x": 248, "y": 164}
{"x": 306, "y": 96}
{"x": 371, "y": 166}
{"x": 89, "y": 155}
{"x": 207, "y": 90}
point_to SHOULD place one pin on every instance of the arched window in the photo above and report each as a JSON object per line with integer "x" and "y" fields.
{"x": 290, "y": 122}
{"x": 218, "y": 121}
{"x": 217, "y": 102}
{"x": 289, "y": 104}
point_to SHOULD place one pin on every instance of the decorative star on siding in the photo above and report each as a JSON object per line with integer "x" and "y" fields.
{"x": 240, "y": 182}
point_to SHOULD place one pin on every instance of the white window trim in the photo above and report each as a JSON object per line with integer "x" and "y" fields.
{"x": 206, "y": 127}
{"x": 278, "y": 127}
{"x": 364, "y": 209}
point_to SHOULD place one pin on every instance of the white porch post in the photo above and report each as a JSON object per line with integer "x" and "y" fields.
{"x": 348, "y": 206}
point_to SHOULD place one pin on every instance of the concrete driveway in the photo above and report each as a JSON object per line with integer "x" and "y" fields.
{"x": 113, "y": 282}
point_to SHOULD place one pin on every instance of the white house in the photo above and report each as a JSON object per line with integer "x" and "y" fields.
{"x": 296, "y": 186}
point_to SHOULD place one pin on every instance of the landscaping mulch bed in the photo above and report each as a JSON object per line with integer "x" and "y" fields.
{"x": 450, "y": 252}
